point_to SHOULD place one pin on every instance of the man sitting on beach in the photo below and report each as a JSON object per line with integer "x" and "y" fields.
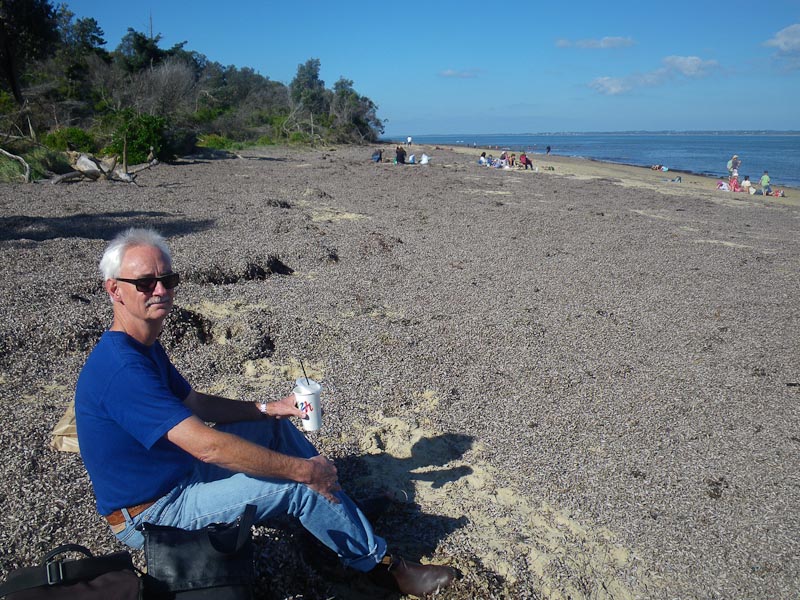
{"x": 152, "y": 458}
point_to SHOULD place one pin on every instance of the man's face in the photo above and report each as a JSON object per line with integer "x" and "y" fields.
{"x": 138, "y": 262}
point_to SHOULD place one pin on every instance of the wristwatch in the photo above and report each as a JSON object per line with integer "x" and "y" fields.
{"x": 262, "y": 406}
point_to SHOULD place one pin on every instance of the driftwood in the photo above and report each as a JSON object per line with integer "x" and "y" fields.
{"x": 66, "y": 177}
{"x": 91, "y": 168}
{"x": 21, "y": 160}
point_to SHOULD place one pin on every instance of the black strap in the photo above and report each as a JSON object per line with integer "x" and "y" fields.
{"x": 55, "y": 572}
{"x": 89, "y": 568}
{"x": 64, "y": 549}
{"x": 245, "y": 524}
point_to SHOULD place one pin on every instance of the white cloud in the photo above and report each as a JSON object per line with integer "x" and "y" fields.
{"x": 674, "y": 66}
{"x": 689, "y": 66}
{"x": 603, "y": 43}
{"x": 787, "y": 41}
{"x": 456, "y": 74}
{"x": 606, "y": 42}
{"x": 610, "y": 86}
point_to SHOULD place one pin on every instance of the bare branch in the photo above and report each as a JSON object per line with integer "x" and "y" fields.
{"x": 19, "y": 159}
{"x": 66, "y": 177}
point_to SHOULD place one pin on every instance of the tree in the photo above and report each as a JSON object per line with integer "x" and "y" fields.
{"x": 80, "y": 42}
{"x": 353, "y": 116}
{"x": 166, "y": 90}
{"x": 308, "y": 90}
{"x": 28, "y": 31}
{"x": 138, "y": 51}
{"x": 84, "y": 36}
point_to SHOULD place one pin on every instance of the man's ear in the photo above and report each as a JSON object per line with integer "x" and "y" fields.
{"x": 112, "y": 287}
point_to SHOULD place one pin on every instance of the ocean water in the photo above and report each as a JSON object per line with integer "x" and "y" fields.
{"x": 704, "y": 153}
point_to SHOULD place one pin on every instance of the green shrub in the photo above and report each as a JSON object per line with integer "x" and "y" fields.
{"x": 206, "y": 115}
{"x": 73, "y": 138}
{"x": 44, "y": 160}
{"x": 265, "y": 140}
{"x": 219, "y": 142}
{"x": 41, "y": 160}
{"x": 214, "y": 141}
{"x": 10, "y": 170}
{"x": 142, "y": 132}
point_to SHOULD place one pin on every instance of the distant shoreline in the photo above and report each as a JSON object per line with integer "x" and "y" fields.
{"x": 628, "y": 174}
{"x": 395, "y": 139}
{"x": 693, "y": 152}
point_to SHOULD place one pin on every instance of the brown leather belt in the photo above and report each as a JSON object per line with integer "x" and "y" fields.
{"x": 117, "y": 518}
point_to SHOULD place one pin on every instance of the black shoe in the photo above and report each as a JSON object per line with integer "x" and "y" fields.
{"x": 415, "y": 579}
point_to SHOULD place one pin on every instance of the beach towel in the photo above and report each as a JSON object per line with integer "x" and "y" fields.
{"x": 65, "y": 433}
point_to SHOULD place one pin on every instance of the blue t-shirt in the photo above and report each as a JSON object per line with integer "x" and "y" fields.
{"x": 128, "y": 397}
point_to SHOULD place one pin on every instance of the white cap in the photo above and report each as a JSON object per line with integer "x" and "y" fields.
{"x": 305, "y": 385}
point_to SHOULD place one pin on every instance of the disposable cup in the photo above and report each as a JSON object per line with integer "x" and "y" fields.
{"x": 306, "y": 394}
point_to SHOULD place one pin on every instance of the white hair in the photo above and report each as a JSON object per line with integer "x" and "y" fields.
{"x": 111, "y": 262}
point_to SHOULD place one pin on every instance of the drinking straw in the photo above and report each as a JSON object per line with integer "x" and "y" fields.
{"x": 304, "y": 372}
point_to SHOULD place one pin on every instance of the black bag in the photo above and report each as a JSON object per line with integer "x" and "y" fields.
{"x": 215, "y": 562}
{"x": 110, "y": 577}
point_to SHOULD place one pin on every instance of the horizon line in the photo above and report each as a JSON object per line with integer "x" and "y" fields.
{"x": 623, "y": 131}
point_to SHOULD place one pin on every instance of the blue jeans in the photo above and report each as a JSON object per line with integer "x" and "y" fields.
{"x": 211, "y": 494}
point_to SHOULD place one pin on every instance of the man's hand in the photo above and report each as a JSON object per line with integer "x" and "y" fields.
{"x": 324, "y": 478}
{"x": 285, "y": 407}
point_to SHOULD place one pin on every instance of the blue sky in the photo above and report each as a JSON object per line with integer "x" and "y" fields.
{"x": 509, "y": 67}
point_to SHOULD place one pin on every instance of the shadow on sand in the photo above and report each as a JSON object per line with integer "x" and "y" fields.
{"x": 409, "y": 530}
{"x": 103, "y": 226}
{"x": 386, "y": 486}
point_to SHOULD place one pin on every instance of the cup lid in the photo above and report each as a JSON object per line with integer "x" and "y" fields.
{"x": 305, "y": 385}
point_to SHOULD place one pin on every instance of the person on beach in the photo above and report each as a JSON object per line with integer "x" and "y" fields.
{"x": 400, "y": 155}
{"x": 766, "y": 188}
{"x": 733, "y": 164}
{"x": 152, "y": 458}
{"x": 747, "y": 184}
{"x": 547, "y": 150}
{"x": 733, "y": 182}
{"x": 525, "y": 161}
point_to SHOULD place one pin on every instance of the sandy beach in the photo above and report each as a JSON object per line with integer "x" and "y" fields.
{"x": 581, "y": 382}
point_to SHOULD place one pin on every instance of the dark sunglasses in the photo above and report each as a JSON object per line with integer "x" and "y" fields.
{"x": 148, "y": 284}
